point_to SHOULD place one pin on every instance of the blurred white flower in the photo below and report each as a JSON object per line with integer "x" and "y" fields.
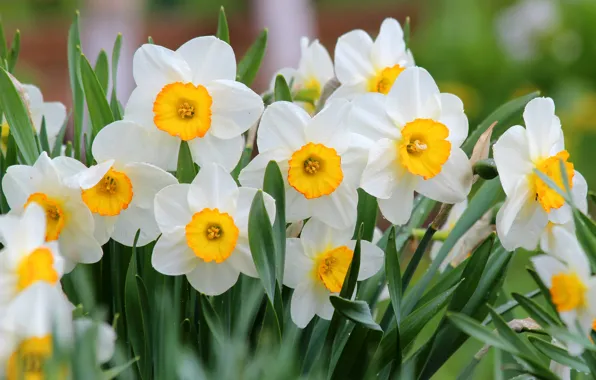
{"x": 204, "y": 228}
{"x": 318, "y": 158}
{"x": 68, "y": 220}
{"x": 363, "y": 65}
{"x": 189, "y": 95}
{"x": 530, "y": 202}
{"x": 414, "y": 135}
{"x": 316, "y": 267}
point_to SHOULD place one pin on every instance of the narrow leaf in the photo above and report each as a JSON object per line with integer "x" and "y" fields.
{"x": 367, "y": 215}
{"x": 43, "y": 136}
{"x": 15, "y": 49}
{"x": 185, "y": 171}
{"x": 282, "y": 90}
{"x": 559, "y": 355}
{"x": 393, "y": 274}
{"x": 97, "y": 104}
{"x": 78, "y": 96}
{"x": 250, "y": 63}
{"x": 356, "y": 311}
{"x": 222, "y": 26}
{"x": 262, "y": 246}
{"x": 273, "y": 184}
{"x": 102, "y": 71}
{"x": 535, "y": 311}
{"x": 477, "y": 331}
{"x": 114, "y": 105}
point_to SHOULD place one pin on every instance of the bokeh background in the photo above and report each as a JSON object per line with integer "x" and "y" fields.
{"x": 485, "y": 51}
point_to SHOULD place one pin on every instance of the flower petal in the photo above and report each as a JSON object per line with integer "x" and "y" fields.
{"x": 156, "y": 66}
{"x": 171, "y": 207}
{"x": 398, "y": 207}
{"x": 349, "y": 91}
{"x": 316, "y": 62}
{"x": 139, "y": 107}
{"x": 114, "y": 142}
{"x": 245, "y": 198}
{"x": 55, "y": 116}
{"x": 579, "y": 192}
{"x": 414, "y": 95}
{"x": 568, "y": 249}
{"x": 337, "y": 209}
{"x": 453, "y": 116}
{"x": 368, "y": 117}
{"x": 318, "y": 237}
{"x": 371, "y": 260}
{"x": 297, "y": 206}
{"x": 545, "y": 136}
{"x": 146, "y": 181}
{"x": 352, "y": 57}
{"x": 241, "y": 258}
{"x": 389, "y": 46}
{"x": 131, "y": 220}
{"x": 383, "y": 172}
{"x": 297, "y": 265}
{"x": 209, "y": 58}
{"x": 210, "y": 149}
{"x": 253, "y": 174}
{"x": 17, "y": 185}
{"x": 304, "y": 303}
{"x": 282, "y": 127}
{"x": 213, "y": 187}
{"x": 234, "y": 110}
{"x": 512, "y": 157}
{"x": 329, "y": 126}
{"x": 104, "y": 227}
{"x": 546, "y": 267}
{"x": 213, "y": 279}
{"x": 172, "y": 256}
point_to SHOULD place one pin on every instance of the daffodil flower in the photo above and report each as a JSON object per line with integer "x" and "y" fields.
{"x": 314, "y": 70}
{"x": 53, "y": 112}
{"x": 204, "y": 228}
{"x": 363, "y": 65}
{"x": 414, "y": 135}
{"x": 320, "y": 167}
{"x": 119, "y": 191}
{"x": 68, "y": 220}
{"x": 190, "y": 95}
{"x": 572, "y": 289}
{"x": 316, "y": 267}
{"x": 36, "y": 317}
{"x": 26, "y": 257}
{"x": 530, "y": 202}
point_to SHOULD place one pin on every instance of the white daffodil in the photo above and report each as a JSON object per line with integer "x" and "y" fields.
{"x": 204, "y": 228}
{"x": 314, "y": 70}
{"x": 316, "y": 267}
{"x": 469, "y": 240}
{"x": 119, "y": 191}
{"x": 190, "y": 95}
{"x": 53, "y": 112}
{"x": 26, "y": 257}
{"x": 27, "y": 331}
{"x": 68, "y": 220}
{"x": 572, "y": 289}
{"x": 530, "y": 202}
{"x": 363, "y": 65}
{"x": 321, "y": 169}
{"x": 414, "y": 134}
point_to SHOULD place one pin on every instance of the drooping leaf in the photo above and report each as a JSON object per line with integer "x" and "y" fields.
{"x": 535, "y": 311}
{"x": 250, "y": 63}
{"x": 15, "y": 49}
{"x": 355, "y": 311}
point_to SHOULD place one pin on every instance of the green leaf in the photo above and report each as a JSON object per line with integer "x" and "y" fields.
{"x": 114, "y": 372}
{"x": 282, "y": 90}
{"x": 535, "y": 311}
{"x": 355, "y": 311}
{"x": 477, "y": 331}
{"x": 17, "y": 117}
{"x": 57, "y": 148}
{"x": 97, "y": 104}
{"x": 503, "y": 115}
{"x": 417, "y": 256}
{"x": 543, "y": 289}
{"x": 15, "y": 49}
{"x": 486, "y": 169}
{"x": 185, "y": 171}
{"x": 250, "y": 63}
{"x": 3, "y": 47}
{"x": 393, "y": 273}
{"x": 78, "y": 96}
{"x": 367, "y": 215}
{"x": 273, "y": 184}
{"x": 150, "y": 40}
{"x": 520, "y": 344}
{"x": 559, "y": 355}
{"x": 585, "y": 230}
{"x": 114, "y": 104}
{"x": 223, "y": 32}
{"x": 357, "y": 351}
{"x": 510, "y": 305}
{"x": 563, "y": 334}
{"x": 102, "y": 70}
{"x": 43, "y": 136}
{"x": 212, "y": 318}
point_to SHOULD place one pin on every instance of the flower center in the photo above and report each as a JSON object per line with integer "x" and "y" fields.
{"x": 212, "y": 235}
{"x": 183, "y": 110}
{"x": 55, "y": 216}
{"x": 567, "y": 291}
{"x": 112, "y": 194}
{"x": 332, "y": 266}
{"x": 383, "y": 81}
{"x": 315, "y": 170}
{"x": 424, "y": 148}
{"x": 549, "y": 198}
{"x": 29, "y": 358}
{"x": 37, "y": 266}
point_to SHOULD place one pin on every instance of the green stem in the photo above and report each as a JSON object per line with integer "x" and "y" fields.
{"x": 418, "y": 233}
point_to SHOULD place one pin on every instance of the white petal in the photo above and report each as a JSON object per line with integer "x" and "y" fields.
{"x": 17, "y": 185}
{"x": 329, "y": 126}
{"x": 130, "y": 221}
{"x": 241, "y": 258}
{"x": 55, "y": 115}
{"x": 234, "y": 110}
{"x": 104, "y": 227}
{"x": 350, "y": 91}
{"x": 453, "y": 116}
{"x": 146, "y": 181}
{"x": 288, "y": 73}
{"x": 568, "y": 249}
{"x": 354, "y": 160}
{"x": 546, "y": 267}
{"x": 67, "y": 166}
{"x": 32, "y": 226}
{"x": 453, "y": 183}
{"x": 389, "y": 46}
{"x": 368, "y": 117}
{"x": 304, "y": 303}
{"x": 253, "y": 174}
{"x": 383, "y": 171}
{"x": 245, "y": 198}
{"x": 78, "y": 244}
{"x": 156, "y": 65}
{"x": 172, "y": 256}
{"x": 512, "y": 157}
{"x": 213, "y": 279}
{"x": 324, "y": 307}
{"x": 371, "y": 259}
{"x": 282, "y": 127}
{"x": 398, "y": 208}
{"x": 105, "y": 338}
{"x": 547, "y": 239}
{"x": 89, "y": 177}
{"x": 579, "y": 192}
{"x": 352, "y": 57}
{"x": 591, "y": 296}
{"x": 544, "y": 128}
{"x": 337, "y": 209}
{"x": 316, "y": 63}
{"x": 209, "y": 58}
{"x": 297, "y": 206}
{"x": 298, "y": 265}
{"x": 318, "y": 237}
{"x": 139, "y": 107}
{"x": 171, "y": 207}
{"x": 414, "y": 95}
{"x": 213, "y": 187}
{"x": 209, "y": 149}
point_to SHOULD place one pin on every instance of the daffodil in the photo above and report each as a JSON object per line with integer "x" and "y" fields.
{"x": 320, "y": 167}
{"x": 530, "y": 202}
{"x": 414, "y": 134}
{"x": 467, "y": 242}
{"x": 363, "y": 65}
{"x": 38, "y": 316}
{"x": 53, "y": 112}
{"x": 68, "y": 220}
{"x": 119, "y": 191}
{"x": 204, "y": 228}
{"x": 572, "y": 289}
{"x": 314, "y": 70}
{"x": 26, "y": 257}
{"x": 316, "y": 267}
{"x": 191, "y": 95}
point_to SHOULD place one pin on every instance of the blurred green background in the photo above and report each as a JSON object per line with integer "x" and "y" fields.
{"x": 485, "y": 51}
